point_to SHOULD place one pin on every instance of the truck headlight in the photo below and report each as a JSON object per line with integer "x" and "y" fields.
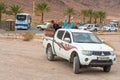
{"x": 88, "y": 53}
{"x": 112, "y": 53}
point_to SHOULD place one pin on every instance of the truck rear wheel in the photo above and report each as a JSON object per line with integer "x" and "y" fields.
{"x": 115, "y": 30}
{"x": 95, "y": 30}
{"x": 40, "y": 29}
{"x": 106, "y": 68}
{"x": 50, "y": 55}
{"x": 109, "y": 30}
{"x": 76, "y": 65}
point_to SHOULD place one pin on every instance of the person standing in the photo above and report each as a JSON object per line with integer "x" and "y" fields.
{"x": 56, "y": 26}
{"x": 68, "y": 25}
{"x": 75, "y": 26}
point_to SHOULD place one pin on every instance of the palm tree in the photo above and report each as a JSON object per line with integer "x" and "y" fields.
{"x": 102, "y": 15}
{"x": 42, "y": 7}
{"x": 95, "y": 16}
{"x": 69, "y": 12}
{"x": 90, "y": 14}
{"x": 2, "y": 9}
{"x": 14, "y": 9}
{"x": 83, "y": 13}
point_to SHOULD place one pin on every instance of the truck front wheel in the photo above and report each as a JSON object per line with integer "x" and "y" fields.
{"x": 76, "y": 65}
{"x": 49, "y": 53}
{"x": 106, "y": 68}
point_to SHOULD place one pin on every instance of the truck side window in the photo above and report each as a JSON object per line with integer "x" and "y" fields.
{"x": 67, "y": 35}
{"x": 60, "y": 34}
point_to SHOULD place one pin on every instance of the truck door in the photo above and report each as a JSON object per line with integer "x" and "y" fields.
{"x": 57, "y": 45}
{"x": 65, "y": 50}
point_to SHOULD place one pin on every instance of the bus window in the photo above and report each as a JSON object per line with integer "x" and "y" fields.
{"x": 21, "y": 17}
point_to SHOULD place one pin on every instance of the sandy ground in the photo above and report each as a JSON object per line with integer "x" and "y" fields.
{"x": 113, "y": 40}
{"x": 27, "y": 61}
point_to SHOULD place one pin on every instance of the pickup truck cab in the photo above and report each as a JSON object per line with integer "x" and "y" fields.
{"x": 90, "y": 27}
{"x": 43, "y": 26}
{"x": 80, "y": 47}
{"x": 110, "y": 28}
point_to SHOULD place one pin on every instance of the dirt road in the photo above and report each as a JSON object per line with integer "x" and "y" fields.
{"x": 27, "y": 61}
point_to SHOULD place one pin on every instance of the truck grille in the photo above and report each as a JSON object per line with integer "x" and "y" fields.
{"x": 96, "y": 63}
{"x": 101, "y": 53}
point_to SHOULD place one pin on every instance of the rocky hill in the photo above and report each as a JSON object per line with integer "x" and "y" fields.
{"x": 112, "y": 7}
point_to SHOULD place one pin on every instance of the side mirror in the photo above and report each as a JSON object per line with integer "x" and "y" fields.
{"x": 67, "y": 40}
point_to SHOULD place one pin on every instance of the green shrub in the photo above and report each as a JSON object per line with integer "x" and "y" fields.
{"x": 4, "y": 20}
{"x": 34, "y": 23}
{"x": 27, "y": 36}
{"x": 6, "y": 29}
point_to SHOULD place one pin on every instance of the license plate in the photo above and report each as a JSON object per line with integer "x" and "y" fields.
{"x": 103, "y": 58}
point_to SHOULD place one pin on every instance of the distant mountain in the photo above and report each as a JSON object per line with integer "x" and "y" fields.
{"x": 112, "y": 7}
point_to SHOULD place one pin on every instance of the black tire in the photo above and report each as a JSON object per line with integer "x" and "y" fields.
{"x": 49, "y": 53}
{"x": 109, "y": 30}
{"x": 106, "y": 68}
{"x": 40, "y": 29}
{"x": 76, "y": 65}
{"x": 116, "y": 30}
{"x": 95, "y": 30}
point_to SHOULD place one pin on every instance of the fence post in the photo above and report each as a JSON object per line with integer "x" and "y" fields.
{"x": 11, "y": 24}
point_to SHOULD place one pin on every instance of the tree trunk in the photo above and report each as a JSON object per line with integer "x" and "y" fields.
{"x": 0, "y": 17}
{"x": 42, "y": 17}
{"x": 15, "y": 16}
{"x": 95, "y": 20}
{"x": 83, "y": 18}
{"x": 100, "y": 20}
{"x": 69, "y": 19}
{"x": 90, "y": 19}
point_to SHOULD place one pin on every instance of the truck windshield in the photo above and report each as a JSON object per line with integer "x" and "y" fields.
{"x": 85, "y": 38}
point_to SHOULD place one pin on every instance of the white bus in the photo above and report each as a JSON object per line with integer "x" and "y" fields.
{"x": 23, "y": 21}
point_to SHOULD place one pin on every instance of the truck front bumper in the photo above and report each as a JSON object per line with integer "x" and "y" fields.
{"x": 100, "y": 63}
{"x": 94, "y": 61}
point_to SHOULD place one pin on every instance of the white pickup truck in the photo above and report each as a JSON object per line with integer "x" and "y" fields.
{"x": 80, "y": 47}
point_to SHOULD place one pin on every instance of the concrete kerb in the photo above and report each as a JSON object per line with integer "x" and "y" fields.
{"x": 38, "y": 37}
{"x": 107, "y": 33}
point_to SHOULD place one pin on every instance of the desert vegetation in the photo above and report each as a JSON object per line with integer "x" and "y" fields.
{"x": 27, "y": 36}
{"x": 2, "y": 9}
{"x": 88, "y": 15}
{"x": 11, "y": 10}
{"x": 41, "y": 8}
{"x": 69, "y": 12}
{"x": 14, "y": 9}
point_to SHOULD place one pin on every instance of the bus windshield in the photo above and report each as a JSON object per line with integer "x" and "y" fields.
{"x": 21, "y": 17}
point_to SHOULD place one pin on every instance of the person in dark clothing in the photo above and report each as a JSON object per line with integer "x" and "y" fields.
{"x": 56, "y": 26}
{"x": 75, "y": 27}
{"x": 50, "y": 26}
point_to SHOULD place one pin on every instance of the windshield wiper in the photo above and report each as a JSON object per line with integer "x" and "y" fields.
{"x": 88, "y": 42}
{"x": 79, "y": 42}
{"x": 94, "y": 42}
